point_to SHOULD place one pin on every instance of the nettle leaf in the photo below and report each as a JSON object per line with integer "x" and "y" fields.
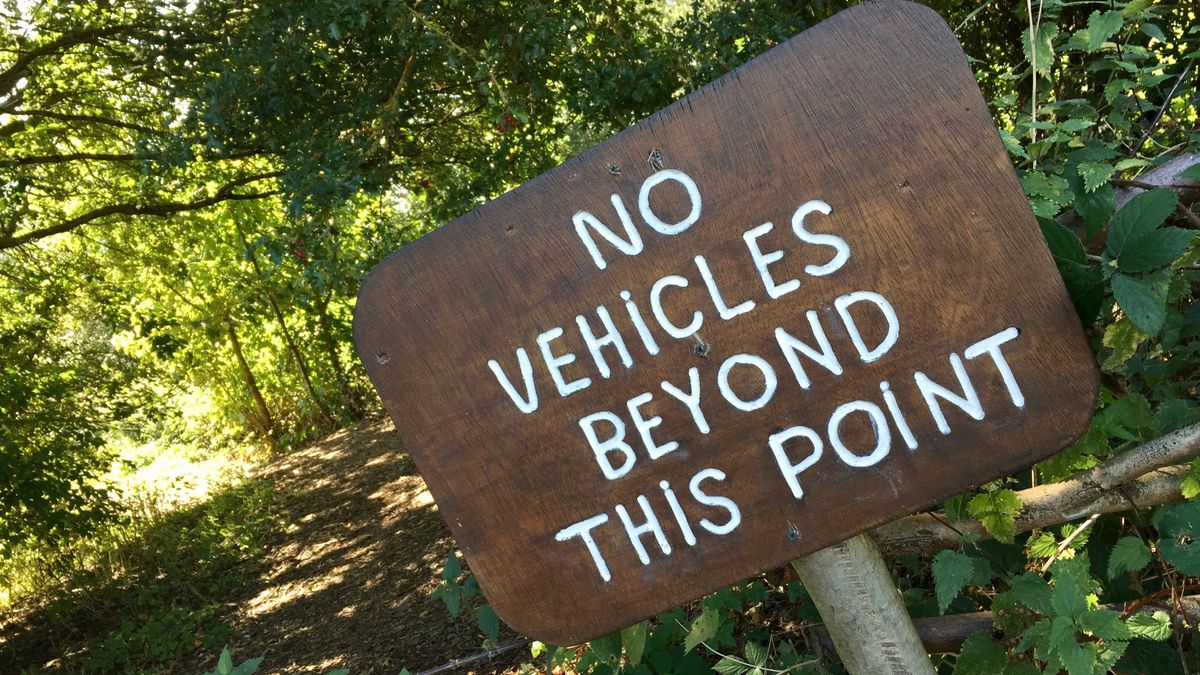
{"x": 1105, "y": 624}
{"x": 453, "y": 568}
{"x": 489, "y": 623}
{"x": 1043, "y": 546}
{"x": 1143, "y": 299}
{"x": 1068, "y": 595}
{"x": 1155, "y": 249}
{"x": 704, "y": 628}
{"x": 952, "y": 571}
{"x": 1156, "y": 626}
{"x": 1012, "y": 145}
{"x": 606, "y": 649}
{"x": 1178, "y": 527}
{"x": 980, "y": 655}
{"x": 1101, "y": 27}
{"x": 1138, "y": 217}
{"x": 1076, "y": 125}
{"x": 1039, "y": 52}
{"x": 1190, "y": 173}
{"x": 1095, "y": 174}
{"x": 1128, "y": 555}
{"x": 997, "y": 512}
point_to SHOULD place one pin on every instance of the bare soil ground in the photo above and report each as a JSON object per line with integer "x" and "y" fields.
{"x": 349, "y": 582}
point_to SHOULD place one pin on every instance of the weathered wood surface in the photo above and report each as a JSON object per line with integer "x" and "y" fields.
{"x": 874, "y": 112}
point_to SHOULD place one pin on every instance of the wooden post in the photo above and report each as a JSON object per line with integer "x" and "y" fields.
{"x": 863, "y": 612}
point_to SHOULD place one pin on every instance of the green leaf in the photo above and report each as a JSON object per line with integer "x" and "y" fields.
{"x": 1076, "y": 125}
{"x": 1190, "y": 485}
{"x": 1142, "y": 214}
{"x": 607, "y": 649}
{"x": 453, "y": 569}
{"x": 249, "y": 666}
{"x": 1044, "y": 546}
{"x": 980, "y": 655}
{"x": 952, "y": 571}
{"x": 1095, "y": 174}
{"x": 1155, "y": 626}
{"x": 1143, "y": 299}
{"x": 1077, "y": 659}
{"x": 1128, "y": 554}
{"x": 225, "y": 662}
{"x": 1104, "y": 623}
{"x": 633, "y": 639}
{"x": 1101, "y": 27}
{"x": 1095, "y": 207}
{"x": 730, "y": 666}
{"x": 997, "y": 511}
{"x": 1178, "y": 527}
{"x": 1064, "y": 245}
{"x": 1123, "y": 338}
{"x": 757, "y": 654}
{"x": 489, "y": 623}
{"x": 703, "y": 628}
{"x": 1039, "y": 52}
{"x": 1054, "y": 189}
{"x": 1155, "y": 249}
{"x": 1190, "y": 173}
{"x": 1012, "y": 144}
{"x": 1067, "y": 596}
{"x": 339, "y": 671}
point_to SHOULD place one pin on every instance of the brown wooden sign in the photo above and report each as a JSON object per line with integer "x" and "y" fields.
{"x": 802, "y": 301}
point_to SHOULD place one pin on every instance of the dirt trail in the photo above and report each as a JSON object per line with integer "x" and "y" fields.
{"x": 348, "y": 584}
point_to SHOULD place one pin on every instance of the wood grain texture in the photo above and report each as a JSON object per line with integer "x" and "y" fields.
{"x": 874, "y": 111}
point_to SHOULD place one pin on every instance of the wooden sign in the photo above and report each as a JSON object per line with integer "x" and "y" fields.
{"x": 802, "y": 301}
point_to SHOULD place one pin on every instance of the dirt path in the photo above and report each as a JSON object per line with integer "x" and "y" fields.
{"x": 349, "y": 582}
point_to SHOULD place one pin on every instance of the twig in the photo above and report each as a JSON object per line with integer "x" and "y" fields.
{"x": 494, "y": 651}
{"x": 1067, "y": 542}
{"x": 743, "y": 663}
{"x": 1161, "y": 109}
{"x": 1188, "y": 213}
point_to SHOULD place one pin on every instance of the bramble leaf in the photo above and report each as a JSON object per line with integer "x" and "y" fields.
{"x": 1143, "y": 299}
{"x": 1178, "y": 526}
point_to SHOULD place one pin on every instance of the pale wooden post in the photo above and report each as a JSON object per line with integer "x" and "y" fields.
{"x": 864, "y": 614}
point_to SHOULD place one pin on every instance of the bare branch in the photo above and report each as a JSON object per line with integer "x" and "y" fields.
{"x": 1147, "y": 475}
{"x": 225, "y": 193}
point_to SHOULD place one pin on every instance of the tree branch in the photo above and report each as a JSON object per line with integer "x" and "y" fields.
{"x": 91, "y": 119}
{"x": 14, "y": 73}
{"x": 1147, "y": 475}
{"x": 69, "y": 157}
{"x": 225, "y": 193}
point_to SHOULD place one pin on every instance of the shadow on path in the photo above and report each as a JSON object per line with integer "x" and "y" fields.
{"x": 349, "y": 582}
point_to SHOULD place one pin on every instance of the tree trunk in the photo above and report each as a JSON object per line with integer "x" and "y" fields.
{"x": 288, "y": 339}
{"x": 325, "y": 329}
{"x": 264, "y": 413}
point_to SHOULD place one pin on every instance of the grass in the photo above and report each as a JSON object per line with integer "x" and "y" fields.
{"x": 146, "y": 590}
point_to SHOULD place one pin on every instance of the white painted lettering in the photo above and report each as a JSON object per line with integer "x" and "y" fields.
{"x": 555, "y": 363}
{"x": 791, "y": 471}
{"x": 651, "y": 526}
{"x": 843, "y": 303}
{"x": 615, "y": 443}
{"x": 735, "y": 514}
{"x": 611, "y": 337}
{"x": 770, "y": 382}
{"x": 792, "y": 347}
{"x": 656, "y": 307}
{"x": 631, "y": 245}
{"x": 583, "y": 530}
{"x": 648, "y": 214}
{"x": 690, "y": 398}
{"x": 883, "y": 434}
{"x": 842, "y": 250}
{"x": 968, "y": 402}
{"x": 991, "y": 347}
{"x": 723, "y": 310}
{"x": 763, "y": 260}
{"x": 529, "y": 402}
{"x": 644, "y": 426}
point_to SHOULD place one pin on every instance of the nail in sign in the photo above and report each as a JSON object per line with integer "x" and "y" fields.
{"x": 802, "y": 301}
